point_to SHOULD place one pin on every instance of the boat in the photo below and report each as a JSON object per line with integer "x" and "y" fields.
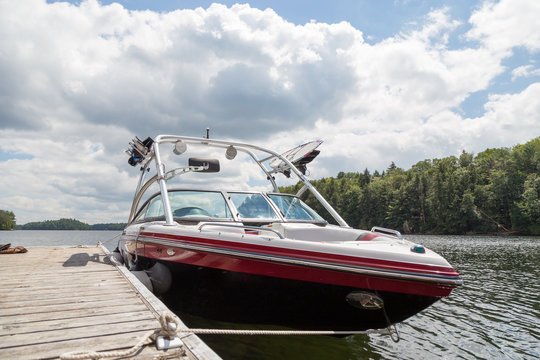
{"x": 258, "y": 255}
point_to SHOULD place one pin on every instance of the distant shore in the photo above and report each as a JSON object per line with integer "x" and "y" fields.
{"x": 68, "y": 224}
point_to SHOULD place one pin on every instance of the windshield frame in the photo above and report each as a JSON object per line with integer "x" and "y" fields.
{"x": 271, "y": 206}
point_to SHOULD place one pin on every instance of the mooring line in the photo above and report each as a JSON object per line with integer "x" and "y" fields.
{"x": 170, "y": 327}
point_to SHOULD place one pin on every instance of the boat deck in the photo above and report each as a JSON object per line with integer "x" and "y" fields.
{"x": 55, "y": 300}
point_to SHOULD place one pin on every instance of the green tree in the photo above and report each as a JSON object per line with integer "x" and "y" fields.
{"x": 528, "y": 217}
{"x": 7, "y": 220}
{"x": 62, "y": 224}
{"x": 109, "y": 226}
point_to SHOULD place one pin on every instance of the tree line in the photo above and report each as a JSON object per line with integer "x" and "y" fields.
{"x": 69, "y": 224}
{"x": 495, "y": 191}
{"x": 61, "y": 224}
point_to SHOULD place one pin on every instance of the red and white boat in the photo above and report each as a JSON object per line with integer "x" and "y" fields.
{"x": 265, "y": 256}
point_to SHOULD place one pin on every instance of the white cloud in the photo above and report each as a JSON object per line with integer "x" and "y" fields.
{"x": 524, "y": 71}
{"x": 79, "y": 81}
{"x": 507, "y": 24}
{"x": 514, "y": 115}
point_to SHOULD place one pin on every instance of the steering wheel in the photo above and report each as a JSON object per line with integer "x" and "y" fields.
{"x": 191, "y": 211}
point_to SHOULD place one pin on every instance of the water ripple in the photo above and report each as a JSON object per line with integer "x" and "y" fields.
{"x": 495, "y": 315}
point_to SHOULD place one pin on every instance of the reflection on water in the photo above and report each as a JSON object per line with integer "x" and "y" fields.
{"x": 494, "y": 315}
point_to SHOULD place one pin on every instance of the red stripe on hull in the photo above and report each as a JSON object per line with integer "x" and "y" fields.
{"x": 308, "y": 255}
{"x": 295, "y": 272}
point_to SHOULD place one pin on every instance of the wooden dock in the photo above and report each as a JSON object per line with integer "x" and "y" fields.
{"x": 56, "y": 300}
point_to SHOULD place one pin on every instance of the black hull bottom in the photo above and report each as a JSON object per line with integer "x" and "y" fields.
{"x": 244, "y": 298}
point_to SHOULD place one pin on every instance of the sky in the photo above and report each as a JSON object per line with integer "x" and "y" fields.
{"x": 378, "y": 81}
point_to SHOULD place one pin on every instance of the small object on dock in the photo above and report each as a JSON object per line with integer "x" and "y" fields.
{"x": 165, "y": 342}
{"x": 60, "y": 300}
{"x": 6, "y": 249}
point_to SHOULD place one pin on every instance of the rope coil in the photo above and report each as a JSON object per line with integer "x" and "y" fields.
{"x": 82, "y": 355}
{"x": 166, "y": 329}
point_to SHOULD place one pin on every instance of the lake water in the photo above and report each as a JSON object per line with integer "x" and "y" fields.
{"x": 494, "y": 315}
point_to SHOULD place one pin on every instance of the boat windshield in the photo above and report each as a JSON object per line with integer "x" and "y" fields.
{"x": 188, "y": 204}
{"x": 293, "y": 208}
{"x": 252, "y": 206}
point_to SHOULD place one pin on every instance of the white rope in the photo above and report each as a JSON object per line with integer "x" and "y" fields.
{"x": 166, "y": 319}
{"x": 109, "y": 240}
{"x": 170, "y": 326}
{"x": 82, "y": 355}
{"x": 279, "y": 332}
{"x": 165, "y": 330}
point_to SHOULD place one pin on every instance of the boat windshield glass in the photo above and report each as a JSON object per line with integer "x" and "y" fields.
{"x": 199, "y": 204}
{"x": 189, "y": 204}
{"x": 252, "y": 206}
{"x": 293, "y": 208}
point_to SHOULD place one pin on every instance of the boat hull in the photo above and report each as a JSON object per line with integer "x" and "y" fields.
{"x": 244, "y": 288}
{"x": 247, "y": 298}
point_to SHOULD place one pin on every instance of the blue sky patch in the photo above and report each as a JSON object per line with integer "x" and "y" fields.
{"x": 5, "y": 156}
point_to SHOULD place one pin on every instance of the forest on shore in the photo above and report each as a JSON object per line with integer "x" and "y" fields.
{"x": 495, "y": 191}
{"x": 69, "y": 224}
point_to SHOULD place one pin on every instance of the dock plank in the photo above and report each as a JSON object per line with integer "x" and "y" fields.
{"x": 70, "y": 305}
{"x": 56, "y": 300}
{"x": 51, "y": 279}
{"x": 83, "y": 297}
{"x": 60, "y": 285}
{"x": 22, "y": 301}
{"x": 72, "y": 323}
{"x": 68, "y": 314}
{"x": 55, "y": 349}
{"x": 50, "y": 295}
{"x": 88, "y": 331}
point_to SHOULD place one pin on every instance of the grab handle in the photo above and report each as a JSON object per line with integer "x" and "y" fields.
{"x": 387, "y": 232}
{"x": 258, "y": 228}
